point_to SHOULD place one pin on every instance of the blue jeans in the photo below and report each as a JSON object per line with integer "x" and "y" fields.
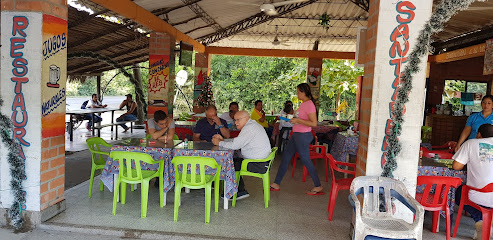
{"x": 97, "y": 119}
{"x": 129, "y": 117}
{"x": 475, "y": 213}
{"x": 299, "y": 142}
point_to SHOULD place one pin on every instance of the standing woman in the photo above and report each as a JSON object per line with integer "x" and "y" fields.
{"x": 301, "y": 139}
{"x": 474, "y": 121}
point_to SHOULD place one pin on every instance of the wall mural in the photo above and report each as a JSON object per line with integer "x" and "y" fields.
{"x": 158, "y": 78}
{"x": 54, "y": 75}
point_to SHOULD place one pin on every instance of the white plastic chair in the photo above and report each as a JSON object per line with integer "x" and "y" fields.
{"x": 370, "y": 220}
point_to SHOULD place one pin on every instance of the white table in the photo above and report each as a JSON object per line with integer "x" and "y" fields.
{"x": 91, "y": 111}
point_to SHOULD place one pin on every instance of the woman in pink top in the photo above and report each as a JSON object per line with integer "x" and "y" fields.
{"x": 301, "y": 139}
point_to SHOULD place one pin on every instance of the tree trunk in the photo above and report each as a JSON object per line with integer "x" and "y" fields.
{"x": 338, "y": 102}
{"x": 139, "y": 94}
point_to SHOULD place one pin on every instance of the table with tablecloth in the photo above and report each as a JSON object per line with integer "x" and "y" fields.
{"x": 442, "y": 171}
{"x": 222, "y": 156}
{"x": 343, "y": 145}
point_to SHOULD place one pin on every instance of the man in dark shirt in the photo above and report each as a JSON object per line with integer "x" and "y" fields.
{"x": 210, "y": 126}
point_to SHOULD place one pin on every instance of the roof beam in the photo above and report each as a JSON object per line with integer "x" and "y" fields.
{"x": 84, "y": 19}
{"x": 363, "y": 4}
{"x": 130, "y": 10}
{"x": 205, "y": 17}
{"x": 258, "y": 52}
{"x": 98, "y": 35}
{"x": 125, "y": 62}
{"x": 185, "y": 21}
{"x": 162, "y": 11}
{"x": 114, "y": 57}
{"x": 250, "y": 22}
{"x": 464, "y": 41}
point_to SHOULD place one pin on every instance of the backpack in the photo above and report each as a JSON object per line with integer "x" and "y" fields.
{"x": 84, "y": 104}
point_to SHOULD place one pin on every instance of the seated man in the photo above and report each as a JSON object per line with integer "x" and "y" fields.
{"x": 229, "y": 116}
{"x": 94, "y": 103}
{"x": 161, "y": 127}
{"x": 131, "y": 113}
{"x": 210, "y": 126}
{"x": 478, "y": 155}
{"x": 254, "y": 144}
{"x": 258, "y": 115}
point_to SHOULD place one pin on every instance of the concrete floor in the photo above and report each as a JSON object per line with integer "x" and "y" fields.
{"x": 291, "y": 214}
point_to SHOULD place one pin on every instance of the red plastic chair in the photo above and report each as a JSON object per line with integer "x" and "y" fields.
{"x": 313, "y": 155}
{"x": 184, "y": 133}
{"x": 338, "y": 184}
{"x": 437, "y": 200}
{"x": 487, "y": 212}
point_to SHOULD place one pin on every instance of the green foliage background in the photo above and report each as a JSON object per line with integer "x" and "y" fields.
{"x": 245, "y": 80}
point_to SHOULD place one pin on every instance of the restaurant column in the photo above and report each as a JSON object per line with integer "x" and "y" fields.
{"x": 313, "y": 76}
{"x": 393, "y": 28}
{"x": 161, "y": 73}
{"x": 32, "y": 82}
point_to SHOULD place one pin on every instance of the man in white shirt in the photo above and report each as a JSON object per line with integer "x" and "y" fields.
{"x": 478, "y": 155}
{"x": 229, "y": 116}
{"x": 94, "y": 103}
{"x": 253, "y": 143}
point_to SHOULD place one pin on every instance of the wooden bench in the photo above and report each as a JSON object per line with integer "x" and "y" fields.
{"x": 116, "y": 124}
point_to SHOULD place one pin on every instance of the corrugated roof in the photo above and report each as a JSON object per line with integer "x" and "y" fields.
{"x": 298, "y": 29}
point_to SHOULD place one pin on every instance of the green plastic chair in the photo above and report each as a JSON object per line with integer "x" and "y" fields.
{"x": 136, "y": 176}
{"x": 193, "y": 181}
{"x": 98, "y": 159}
{"x": 265, "y": 176}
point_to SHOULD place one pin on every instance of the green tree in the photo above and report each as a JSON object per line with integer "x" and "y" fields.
{"x": 339, "y": 80}
{"x": 247, "y": 79}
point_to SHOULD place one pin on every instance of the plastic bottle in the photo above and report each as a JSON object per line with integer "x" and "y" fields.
{"x": 436, "y": 157}
{"x": 185, "y": 142}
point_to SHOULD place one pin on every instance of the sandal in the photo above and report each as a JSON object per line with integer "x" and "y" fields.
{"x": 313, "y": 193}
{"x": 275, "y": 189}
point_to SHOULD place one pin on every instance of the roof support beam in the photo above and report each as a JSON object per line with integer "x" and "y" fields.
{"x": 114, "y": 57}
{"x": 250, "y": 22}
{"x": 124, "y": 62}
{"x": 363, "y": 4}
{"x": 258, "y": 52}
{"x": 130, "y": 10}
{"x": 185, "y": 21}
{"x": 83, "y": 20}
{"x": 464, "y": 41}
{"x": 162, "y": 11}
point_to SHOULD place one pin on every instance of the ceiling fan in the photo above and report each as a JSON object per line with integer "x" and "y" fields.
{"x": 269, "y": 7}
{"x": 277, "y": 42}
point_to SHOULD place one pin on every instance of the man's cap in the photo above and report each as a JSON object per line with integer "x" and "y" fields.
{"x": 128, "y": 95}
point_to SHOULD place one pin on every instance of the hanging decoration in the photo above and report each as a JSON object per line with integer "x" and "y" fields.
{"x": 206, "y": 97}
{"x": 442, "y": 14}
{"x": 324, "y": 21}
{"x": 17, "y": 171}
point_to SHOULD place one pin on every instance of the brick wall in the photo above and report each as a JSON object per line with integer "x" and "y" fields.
{"x": 367, "y": 89}
{"x": 57, "y": 8}
{"x": 52, "y": 169}
{"x": 163, "y": 44}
